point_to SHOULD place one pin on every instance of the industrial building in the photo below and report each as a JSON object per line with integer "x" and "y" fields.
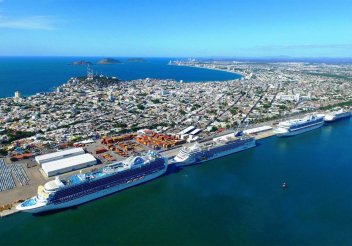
{"x": 68, "y": 164}
{"x": 187, "y": 130}
{"x": 40, "y": 159}
{"x": 195, "y": 132}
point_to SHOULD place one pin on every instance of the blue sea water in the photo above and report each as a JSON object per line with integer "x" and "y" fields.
{"x": 235, "y": 200}
{"x": 30, "y": 75}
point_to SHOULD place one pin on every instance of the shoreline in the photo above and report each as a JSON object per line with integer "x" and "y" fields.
{"x": 12, "y": 210}
{"x": 168, "y": 153}
{"x": 52, "y": 88}
{"x": 242, "y": 75}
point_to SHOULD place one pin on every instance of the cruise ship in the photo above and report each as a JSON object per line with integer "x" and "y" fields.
{"x": 297, "y": 126}
{"x": 81, "y": 188}
{"x": 337, "y": 115}
{"x": 218, "y": 147}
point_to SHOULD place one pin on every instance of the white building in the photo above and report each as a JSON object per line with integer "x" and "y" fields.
{"x": 187, "y": 130}
{"x": 195, "y": 132}
{"x": 69, "y": 164}
{"x": 17, "y": 94}
{"x": 164, "y": 93}
{"x": 40, "y": 159}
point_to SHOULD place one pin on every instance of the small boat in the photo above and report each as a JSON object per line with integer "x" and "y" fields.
{"x": 284, "y": 185}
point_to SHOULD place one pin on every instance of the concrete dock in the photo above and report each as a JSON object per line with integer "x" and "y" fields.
{"x": 266, "y": 134}
{"x": 9, "y": 211}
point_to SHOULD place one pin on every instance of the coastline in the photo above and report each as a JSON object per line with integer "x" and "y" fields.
{"x": 15, "y": 76}
{"x": 53, "y": 88}
{"x": 10, "y": 211}
{"x": 241, "y": 74}
{"x": 168, "y": 153}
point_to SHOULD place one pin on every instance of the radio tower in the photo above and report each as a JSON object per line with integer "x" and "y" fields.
{"x": 90, "y": 73}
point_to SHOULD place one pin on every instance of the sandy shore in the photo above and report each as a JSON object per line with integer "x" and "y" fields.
{"x": 209, "y": 68}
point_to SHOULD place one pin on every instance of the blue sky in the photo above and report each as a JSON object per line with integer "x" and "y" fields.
{"x": 178, "y": 28}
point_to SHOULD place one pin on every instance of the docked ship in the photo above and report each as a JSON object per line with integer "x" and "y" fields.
{"x": 297, "y": 126}
{"x": 337, "y": 115}
{"x": 218, "y": 147}
{"x": 81, "y": 188}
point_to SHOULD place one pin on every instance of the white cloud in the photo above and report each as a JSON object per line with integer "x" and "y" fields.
{"x": 30, "y": 22}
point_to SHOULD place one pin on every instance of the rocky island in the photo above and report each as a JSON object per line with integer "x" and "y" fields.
{"x": 108, "y": 61}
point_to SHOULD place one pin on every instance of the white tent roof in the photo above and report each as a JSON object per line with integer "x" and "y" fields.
{"x": 196, "y": 131}
{"x": 73, "y": 161}
{"x": 187, "y": 130}
{"x": 62, "y": 154}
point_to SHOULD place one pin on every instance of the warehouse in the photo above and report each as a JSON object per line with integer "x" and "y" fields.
{"x": 187, "y": 130}
{"x": 195, "y": 132}
{"x": 40, "y": 159}
{"x": 68, "y": 164}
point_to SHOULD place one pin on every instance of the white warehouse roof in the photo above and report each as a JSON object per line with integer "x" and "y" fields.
{"x": 59, "y": 155}
{"x": 187, "y": 130}
{"x": 68, "y": 164}
{"x": 196, "y": 131}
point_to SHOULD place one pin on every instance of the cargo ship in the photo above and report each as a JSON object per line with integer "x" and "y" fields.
{"x": 218, "y": 147}
{"x": 297, "y": 126}
{"x": 337, "y": 115}
{"x": 81, "y": 188}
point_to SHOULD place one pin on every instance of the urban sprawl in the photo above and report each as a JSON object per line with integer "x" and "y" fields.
{"x": 95, "y": 106}
{"x": 96, "y": 109}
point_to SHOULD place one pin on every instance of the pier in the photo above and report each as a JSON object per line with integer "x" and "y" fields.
{"x": 28, "y": 183}
{"x": 173, "y": 152}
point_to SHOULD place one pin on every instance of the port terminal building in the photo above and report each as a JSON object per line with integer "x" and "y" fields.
{"x": 65, "y": 161}
{"x": 40, "y": 159}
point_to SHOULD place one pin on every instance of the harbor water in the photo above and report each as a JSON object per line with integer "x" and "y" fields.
{"x": 235, "y": 200}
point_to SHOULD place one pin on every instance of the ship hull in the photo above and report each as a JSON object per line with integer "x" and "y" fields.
{"x": 193, "y": 161}
{"x": 95, "y": 195}
{"x": 337, "y": 117}
{"x": 306, "y": 129}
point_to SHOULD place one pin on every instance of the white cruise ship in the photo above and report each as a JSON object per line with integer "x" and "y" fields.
{"x": 297, "y": 126}
{"x": 337, "y": 115}
{"x": 219, "y": 147}
{"x": 81, "y": 188}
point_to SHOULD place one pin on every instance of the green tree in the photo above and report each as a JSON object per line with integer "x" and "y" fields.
{"x": 140, "y": 106}
{"x": 213, "y": 129}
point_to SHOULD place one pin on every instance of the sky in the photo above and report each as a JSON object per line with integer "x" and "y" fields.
{"x": 176, "y": 28}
